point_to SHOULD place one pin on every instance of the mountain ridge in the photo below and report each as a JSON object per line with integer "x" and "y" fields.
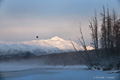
{"x": 38, "y": 47}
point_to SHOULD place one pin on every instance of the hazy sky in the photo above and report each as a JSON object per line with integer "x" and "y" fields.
{"x": 23, "y": 20}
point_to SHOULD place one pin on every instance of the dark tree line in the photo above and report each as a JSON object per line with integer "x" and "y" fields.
{"x": 110, "y": 32}
{"x": 109, "y": 38}
{"x": 106, "y": 42}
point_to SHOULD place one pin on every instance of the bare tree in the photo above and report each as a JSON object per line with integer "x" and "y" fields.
{"x": 117, "y": 36}
{"x": 94, "y": 33}
{"x": 109, "y": 31}
{"x": 86, "y": 56}
{"x": 73, "y": 46}
{"x": 103, "y": 38}
{"x": 116, "y": 32}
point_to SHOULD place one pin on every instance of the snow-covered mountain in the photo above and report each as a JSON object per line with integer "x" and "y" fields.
{"x": 38, "y": 47}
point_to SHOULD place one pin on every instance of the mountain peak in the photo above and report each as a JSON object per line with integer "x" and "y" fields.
{"x": 57, "y": 38}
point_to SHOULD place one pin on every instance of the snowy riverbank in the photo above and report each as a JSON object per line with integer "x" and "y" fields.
{"x": 59, "y": 74}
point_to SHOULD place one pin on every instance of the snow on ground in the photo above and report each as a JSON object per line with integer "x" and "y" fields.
{"x": 14, "y": 70}
{"x": 59, "y": 74}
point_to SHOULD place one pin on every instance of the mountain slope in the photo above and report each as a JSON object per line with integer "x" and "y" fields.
{"x": 38, "y": 47}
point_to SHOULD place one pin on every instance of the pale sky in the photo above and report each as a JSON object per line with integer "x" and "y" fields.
{"x": 23, "y": 20}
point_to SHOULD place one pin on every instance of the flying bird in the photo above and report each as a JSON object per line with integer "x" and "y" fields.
{"x": 37, "y": 37}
